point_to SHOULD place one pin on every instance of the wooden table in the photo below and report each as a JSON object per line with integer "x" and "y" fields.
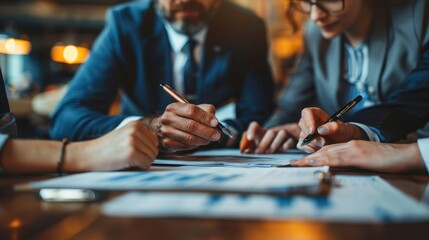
{"x": 24, "y": 216}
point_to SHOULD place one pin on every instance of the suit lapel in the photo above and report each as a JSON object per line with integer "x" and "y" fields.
{"x": 335, "y": 69}
{"x": 214, "y": 62}
{"x": 216, "y": 56}
{"x": 157, "y": 52}
{"x": 377, "y": 44}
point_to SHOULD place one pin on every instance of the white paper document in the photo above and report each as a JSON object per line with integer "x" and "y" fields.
{"x": 230, "y": 158}
{"x": 358, "y": 199}
{"x": 249, "y": 180}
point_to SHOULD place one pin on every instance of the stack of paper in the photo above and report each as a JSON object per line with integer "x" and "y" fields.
{"x": 247, "y": 180}
{"x": 358, "y": 199}
{"x": 230, "y": 158}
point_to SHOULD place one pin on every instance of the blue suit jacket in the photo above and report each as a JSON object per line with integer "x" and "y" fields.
{"x": 133, "y": 55}
{"x": 405, "y": 110}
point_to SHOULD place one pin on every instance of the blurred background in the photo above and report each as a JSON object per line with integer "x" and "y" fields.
{"x": 43, "y": 43}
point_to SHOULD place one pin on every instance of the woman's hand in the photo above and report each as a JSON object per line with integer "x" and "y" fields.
{"x": 260, "y": 140}
{"x": 313, "y": 119}
{"x": 368, "y": 155}
{"x": 130, "y": 146}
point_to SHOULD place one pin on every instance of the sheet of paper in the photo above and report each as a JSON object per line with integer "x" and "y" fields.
{"x": 230, "y": 158}
{"x": 265, "y": 180}
{"x": 358, "y": 199}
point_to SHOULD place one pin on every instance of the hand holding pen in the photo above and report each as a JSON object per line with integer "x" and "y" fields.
{"x": 185, "y": 126}
{"x": 319, "y": 129}
{"x": 181, "y": 99}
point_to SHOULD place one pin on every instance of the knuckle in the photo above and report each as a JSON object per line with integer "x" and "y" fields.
{"x": 191, "y": 126}
{"x": 165, "y": 118}
{"x": 190, "y": 140}
{"x": 170, "y": 107}
{"x": 211, "y": 108}
{"x": 190, "y": 109}
{"x": 282, "y": 133}
{"x": 270, "y": 133}
{"x": 168, "y": 143}
{"x": 353, "y": 143}
{"x": 253, "y": 126}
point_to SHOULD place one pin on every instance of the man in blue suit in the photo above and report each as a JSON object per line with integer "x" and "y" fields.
{"x": 211, "y": 51}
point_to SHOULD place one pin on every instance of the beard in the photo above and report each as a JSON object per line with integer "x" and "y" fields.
{"x": 189, "y": 25}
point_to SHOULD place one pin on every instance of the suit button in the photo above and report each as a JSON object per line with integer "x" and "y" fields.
{"x": 371, "y": 90}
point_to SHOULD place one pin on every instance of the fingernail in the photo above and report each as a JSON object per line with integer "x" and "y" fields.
{"x": 322, "y": 130}
{"x": 213, "y": 122}
{"x": 216, "y": 136}
{"x": 310, "y": 129}
{"x": 312, "y": 161}
{"x": 319, "y": 143}
{"x": 249, "y": 136}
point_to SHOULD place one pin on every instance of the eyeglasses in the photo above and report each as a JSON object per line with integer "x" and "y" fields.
{"x": 329, "y": 6}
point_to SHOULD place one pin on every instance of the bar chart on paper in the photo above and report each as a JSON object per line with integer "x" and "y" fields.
{"x": 250, "y": 180}
{"x": 359, "y": 199}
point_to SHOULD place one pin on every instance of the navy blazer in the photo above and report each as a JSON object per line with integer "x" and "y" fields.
{"x": 133, "y": 55}
{"x": 405, "y": 110}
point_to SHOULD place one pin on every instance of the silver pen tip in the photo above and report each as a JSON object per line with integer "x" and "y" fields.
{"x": 227, "y": 133}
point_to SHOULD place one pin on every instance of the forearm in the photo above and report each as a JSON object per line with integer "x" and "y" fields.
{"x": 38, "y": 156}
{"x": 412, "y": 158}
{"x": 30, "y": 156}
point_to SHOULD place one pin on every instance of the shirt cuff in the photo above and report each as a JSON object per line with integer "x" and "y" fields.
{"x": 424, "y": 150}
{"x": 128, "y": 120}
{"x": 370, "y": 133}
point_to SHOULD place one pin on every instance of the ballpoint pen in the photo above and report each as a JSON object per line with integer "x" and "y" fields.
{"x": 334, "y": 117}
{"x": 181, "y": 99}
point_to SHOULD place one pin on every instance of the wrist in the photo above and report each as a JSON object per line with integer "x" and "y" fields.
{"x": 358, "y": 133}
{"x": 151, "y": 122}
{"x": 154, "y": 125}
{"x": 74, "y": 153}
{"x": 415, "y": 157}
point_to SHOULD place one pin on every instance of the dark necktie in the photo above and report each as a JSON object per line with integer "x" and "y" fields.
{"x": 190, "y": 70}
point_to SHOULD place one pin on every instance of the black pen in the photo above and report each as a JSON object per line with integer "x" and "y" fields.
{"x": 181, "y": 99}
{"x": 334, "y": 117}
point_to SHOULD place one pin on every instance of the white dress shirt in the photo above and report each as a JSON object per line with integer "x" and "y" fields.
{"x": 178, "y": 59}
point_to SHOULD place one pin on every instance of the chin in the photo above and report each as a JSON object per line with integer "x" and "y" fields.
{"x": 187, "y": 28}
{"x": 329, "y": 34}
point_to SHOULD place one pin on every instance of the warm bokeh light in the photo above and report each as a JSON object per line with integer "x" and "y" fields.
{"x": 69, "y": 54}
{"x": 15, "y": 224}
{"x": 15, "y": 46}
{"x": 289, "y": 46}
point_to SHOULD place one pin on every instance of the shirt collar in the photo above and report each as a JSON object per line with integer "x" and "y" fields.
{"x": 178, "y": 40}
{"x": 358, "y": 47}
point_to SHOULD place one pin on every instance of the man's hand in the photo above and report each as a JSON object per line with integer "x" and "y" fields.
{"x": 186, "y": 126}
{"x": 260, "y": 140}
{"x": 313, "y": 119}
